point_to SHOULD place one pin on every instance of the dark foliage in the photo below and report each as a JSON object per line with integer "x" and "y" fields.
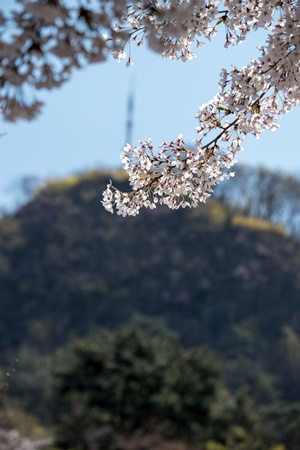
{"x": 214, "y": 276}
{"x": 130, "y": 381}
{"x": 66, "y": 265}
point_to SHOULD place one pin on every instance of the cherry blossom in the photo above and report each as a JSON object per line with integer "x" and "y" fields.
{"x": 43, "y": 42}
{"x": 250, "y": 101}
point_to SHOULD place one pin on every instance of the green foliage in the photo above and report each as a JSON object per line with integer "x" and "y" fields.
{"x": 283, "y": 421}
{"x": 116, "y": 390}
{"x": 67, "y": 266}
{"x": 132, "y": 381}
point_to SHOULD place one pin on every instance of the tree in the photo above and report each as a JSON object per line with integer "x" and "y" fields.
{"x": 42, "y": 42}
{"x": 131, "y": 381}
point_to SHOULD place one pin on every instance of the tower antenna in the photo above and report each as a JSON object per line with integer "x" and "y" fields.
{"x": 130, "y": 112}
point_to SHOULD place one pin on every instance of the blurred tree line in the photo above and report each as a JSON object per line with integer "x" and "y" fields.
{"x": 138, "y": 388}
{"x": 263, "y": 193}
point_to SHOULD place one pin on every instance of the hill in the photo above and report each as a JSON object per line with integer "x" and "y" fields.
{"x": 216, "y": 277}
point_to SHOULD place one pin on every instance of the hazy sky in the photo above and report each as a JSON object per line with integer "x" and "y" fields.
{"x": 82, "y": 125}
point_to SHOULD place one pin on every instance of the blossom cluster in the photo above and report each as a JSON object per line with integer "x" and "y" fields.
{"x": 42, "y": 42}
{"x": 176, "y": 176}
{"x": 250, "y": 101}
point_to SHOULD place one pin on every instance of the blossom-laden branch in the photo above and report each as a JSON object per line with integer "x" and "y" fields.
{"x": 42, "y": 42}
{"x": 250, "y": 100}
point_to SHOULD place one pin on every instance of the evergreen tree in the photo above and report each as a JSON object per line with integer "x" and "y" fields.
{"x": 131, "y": 381}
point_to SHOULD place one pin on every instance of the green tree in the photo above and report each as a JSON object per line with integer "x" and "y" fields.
{"x": 128, "y": 381}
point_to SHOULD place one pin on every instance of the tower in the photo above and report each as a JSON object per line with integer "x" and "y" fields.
{"x": 130, "y": 112}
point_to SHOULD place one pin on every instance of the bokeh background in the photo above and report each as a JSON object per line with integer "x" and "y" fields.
{"x": 199, "y": 346}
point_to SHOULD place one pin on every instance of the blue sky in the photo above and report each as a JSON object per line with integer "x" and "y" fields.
{"x": 82, "y": 125}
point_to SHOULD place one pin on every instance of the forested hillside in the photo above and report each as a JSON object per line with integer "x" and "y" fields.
{"x": 66, "y": 265}
{"x": 215, "y": 277}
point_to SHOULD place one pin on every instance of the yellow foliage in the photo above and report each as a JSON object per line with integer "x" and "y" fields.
{"x": 64, "y": 182}
{"x": 212, "y": 445}
{"x": 73, "y": 180}
{"x": 258, "y": 224}
{"x": 217, "y": 211}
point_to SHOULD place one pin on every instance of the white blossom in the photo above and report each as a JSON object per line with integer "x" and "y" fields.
{"x": 41, "y": 43}
{"x": 251, "y": 99}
